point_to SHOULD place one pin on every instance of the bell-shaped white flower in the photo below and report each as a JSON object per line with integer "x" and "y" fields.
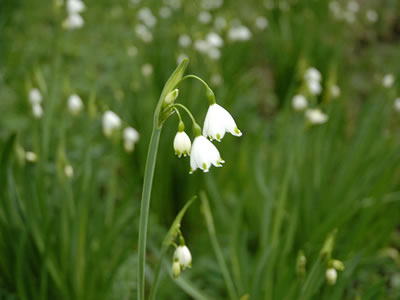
{"x": 35, "y": 97}
{"x": 182, "y": 144}
{"x": 131, "y": 137}
{"x": 204, "y": 154}
{"x": 111, "y": 122}
{"x": 316, "y": 116}
{"x": 75, "y": 6}
{"x": 75, "y": 104}
{"x": 218, "y": 121}
{"x": 299, "y": 102}
{"x": 312, "y": 74}
{"x": 183, "y": 256}
{"x": 331, "y": 276}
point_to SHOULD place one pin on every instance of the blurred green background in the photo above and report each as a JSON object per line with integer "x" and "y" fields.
{"x": 286, "y": 187}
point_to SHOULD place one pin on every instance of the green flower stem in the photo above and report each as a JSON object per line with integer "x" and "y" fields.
{"x": 209, "y": 92}
{"x": 145, "y": 206}
{"x": 196, "y": 127}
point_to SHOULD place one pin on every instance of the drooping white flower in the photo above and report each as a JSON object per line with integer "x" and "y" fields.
{"x": 75, "y": 6}
{"x": 37, "y": 110}
{"x": 75, "y": 104}
{"x": 214, "y": 40}
{"x": 299, "y": 102}
{"x": 218, "y": 121}
{"x": 312, "y": 74}
{"x": 331, "y": 276}
{"x": 316, "y": 116}
{"x": 314, "y": 87}
{"x": 203, "y": 155}
{"x": 31, "y": 156}
{"x": 239, "y": 33}
{"x": 182, "y": 144}
{"x": 184, "y": 41}
{"x": 388, "y": 80}
{"x": 261, "y": 23}
{"x": 396, "y": 104}
{"x": 111, "y": 123}
{"x": 147, "y": 70}
{"x": 183, "y": 256}
{"x": 73, "y": 21}
{"x": 35, "y": 97}
{"x": 131, "y": 137}
{"x": 69, "y": 171}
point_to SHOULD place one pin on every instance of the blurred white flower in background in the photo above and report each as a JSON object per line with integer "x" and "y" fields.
{"x": 214, "y": 40}
{"x": 75, "y": 104}
{"x": 211, "y": 4}
{"x": 73, "y": 21}
{"x": 388, "y": 80}
{"x": 147, "y": 70}
{"x": 261, "y": 22}
{"x": 35, "y": 97}
{"x": 353, "y": 6}
{"x": 316, "y": 116}
{"x": 181, "y": 57}
{"x": 75, "y": 6}
{"x": 147, "y": 17}
{"x": 174, "y": 4}
{"x": 111, "y": 123}
{"x": 371, "y": 16}
{"x": 144, "y": 33}
{"x": 184, "y": 40}
{"x": 218, "y": 121}
{"x": 396, "y": 104}
{"x": 203, "y": 155}
{"x": 182, "y": 144}
{"x": 131, "y": 137}
{"x": 239, "y": 32}
{"x": 132, "y": 51}
{"x": 331, "y": 276}
{"x": 299, "y": 102}
{"x": 204, "y": 17}
{"x": 313, "y": 80}
{"x": 165, "y": 12}
{"x": 216, "y": 79}
{"x": 336, "y": 10}
{"x": 220, "y": 23}
{"x": 30, "y": 156}
{"x": 69, "y": 171}
{"x": 37, "y": 110}
{"x": 335, "y": 91}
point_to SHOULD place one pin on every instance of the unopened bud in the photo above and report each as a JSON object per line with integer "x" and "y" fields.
{"x": 171, "y": 96}
{"x": 176, "y": 269}
{"x": 338, "y": 265}
{"x": 331, "y": 276}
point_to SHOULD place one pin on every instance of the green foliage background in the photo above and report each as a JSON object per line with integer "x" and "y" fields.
{"x": 285, "y": 187}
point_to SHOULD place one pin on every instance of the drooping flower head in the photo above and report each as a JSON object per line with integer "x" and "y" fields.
{"x": 111, "y": 122}
{"x": 75, "y": 104}
{"x": 299, "y": 102}
{"x": 218, "y": 121}
{"x": 183, "y": 256}
{"x": 204, "y": 154}
{"x": 182, "y": 144}
{"x": 316, "y": 116}
{"x": 131, "y": 137}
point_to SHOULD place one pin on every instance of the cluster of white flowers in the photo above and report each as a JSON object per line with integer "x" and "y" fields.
{"x": 74, "y": 20}
{"x": 313, "y": 79}
{"x": 112, "y": 124}
{"x": 35, "y": 99}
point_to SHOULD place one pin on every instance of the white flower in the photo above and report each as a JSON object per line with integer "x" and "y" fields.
{"x": 371, "y": 15}
{"x": 204, "y": 17}
{"x": 147, "y": 17}
{"x": 335, "y": 91}
{"x": 353, "y": 6}
{"x": 204, "y": 154}
{"x": 316, "y": 116}
{"x": 201, "y": 45}
{"x": 214, "y": 53}
{"x": 165, "y": 12}
{"x": 314, "y": 87}
{"x": 388, "y": 80}
{"x": 111, "y": 122}
{"x": 147, "y": 70}
{"x": 396, "y": 104}
{"x": 239, "y": 33}
{"x": 214, "y": 40}
{"x": 75, "y": 6}
{"x": 75, "y": 104}
{"x": 211, "y": 4}
{"x": 35, "y": 97}
{"x": 73, "y": 21}
{"x": 218, "y": 121}
{"x": 132, "y": 51}
{"x": 184, "y": 41}
{"x": 182, "y": 144}
{"x": 131, "y": 137}
{"x": 183, "y": 256}
{"x": 312, "y": 74}
{"x": 261, "y": 22}
{"x": 299, "y": 102}
{"x": 220, "y": 23}
{"x": 331, "y": 276}
{"x": 31, "y": 156}
{"x": 37, "y": 111}
{"x": 144, "y": 33}
{"x": 69, "y": 171}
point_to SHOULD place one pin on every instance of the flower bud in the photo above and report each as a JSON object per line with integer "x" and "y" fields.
{"x": 331, "y": 276}
{"x": 176, "y": 269}
{"x": 171, "y": 97}
{"x": 337, "y": 264}
{"x": 31, "y": 156}
{"x": 69, "y": 171}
